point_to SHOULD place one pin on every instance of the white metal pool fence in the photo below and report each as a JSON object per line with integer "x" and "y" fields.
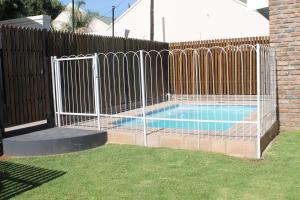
{"x": 216, "y": 92}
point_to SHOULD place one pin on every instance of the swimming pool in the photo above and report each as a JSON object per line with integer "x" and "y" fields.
{"x": 214, "y": 117}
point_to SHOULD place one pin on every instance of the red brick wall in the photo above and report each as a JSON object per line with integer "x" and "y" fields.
{"x": 285, "y": 36}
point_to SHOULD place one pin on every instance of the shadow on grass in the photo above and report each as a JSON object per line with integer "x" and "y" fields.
{"x": 18, "y": 178}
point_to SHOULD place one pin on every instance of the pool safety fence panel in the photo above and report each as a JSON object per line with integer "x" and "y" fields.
{"x": 218, "y": 92}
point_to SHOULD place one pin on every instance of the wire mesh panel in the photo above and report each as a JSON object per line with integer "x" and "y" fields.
{"x": 219, "y": 92}
{"x": 120, "y": 86}
{"x": 206, "y": 92}
{"x": 74, "y": 89}
{"x": 268, "y": 93}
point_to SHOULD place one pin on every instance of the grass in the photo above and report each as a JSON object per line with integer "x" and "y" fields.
{"x": 129, "y": 172}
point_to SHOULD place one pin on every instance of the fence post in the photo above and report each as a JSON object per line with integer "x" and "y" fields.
{"x": 48, "y": 74}
{"x": 54, "y": 89}
{"x": 258, "y": 100}
{"x": 143, "y": 96}
{"x": 96, "y": 88}
{"x": 1, "y": 101}
{"x": 58, "y": 90}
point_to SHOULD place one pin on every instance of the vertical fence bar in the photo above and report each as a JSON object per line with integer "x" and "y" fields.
{"x": 53, "y": 89}
{"x": 58, "y": 91}
{"x": 143, "y": 96}
{"x": 2, "y": 106}
{"x": 96, "y": 88}
{"x": 274, "y": 64}
{"x": 258, "y": 100}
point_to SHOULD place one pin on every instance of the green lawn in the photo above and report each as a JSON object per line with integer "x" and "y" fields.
{"x": 129, "y": 172}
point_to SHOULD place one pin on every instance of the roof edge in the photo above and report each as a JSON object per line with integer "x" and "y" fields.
{"x": 126, "y": 12}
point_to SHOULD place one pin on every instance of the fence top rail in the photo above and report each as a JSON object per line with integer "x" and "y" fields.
{"x": 224, "y": 42}
{"x": 173, "y": 52}
{"x": 64, "y": 58}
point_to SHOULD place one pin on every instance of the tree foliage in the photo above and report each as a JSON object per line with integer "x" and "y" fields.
{"x": 82, "y": 18}
{"x": 10, "y": 9}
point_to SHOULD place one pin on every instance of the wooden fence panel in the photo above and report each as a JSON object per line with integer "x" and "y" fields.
{"x": 2, "y": 108}
{"x": 27, "y": 69}
{"x": 23, "y": 75}
{"x": 213, "y": 79}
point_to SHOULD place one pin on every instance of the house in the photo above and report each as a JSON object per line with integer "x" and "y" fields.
{"x": 257, "y": 4}
{"x": 38, "y": 21}
{"x": 98, "y": 24}
{"x": 191, "y": 20}
{"x": 262, "y": 6}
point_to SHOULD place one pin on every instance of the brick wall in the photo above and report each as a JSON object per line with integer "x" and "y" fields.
{"x": 285, "y": 36}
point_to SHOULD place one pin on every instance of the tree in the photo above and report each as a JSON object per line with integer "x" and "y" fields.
{"x": 43, "y": 7}
{"x": 82, "y": 18}
{"x": 11, "y": 9}
{"x": 56, "y": 8}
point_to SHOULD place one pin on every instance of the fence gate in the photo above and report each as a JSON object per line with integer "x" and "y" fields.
{"x": 121, "y": 80}
{"x": 75, "y": 91}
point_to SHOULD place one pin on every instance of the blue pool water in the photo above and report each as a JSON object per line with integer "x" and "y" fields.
{"x": 193, "y": 112}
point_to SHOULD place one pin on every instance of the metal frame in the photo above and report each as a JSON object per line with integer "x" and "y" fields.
{"x": 143, "y": 97}
{"x": 58, "y": 70}
{"x": 258, "y": 100}
{"x": 132, "y": 86}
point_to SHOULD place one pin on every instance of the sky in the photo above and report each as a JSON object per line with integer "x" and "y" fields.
{"x": 104, "y": 7}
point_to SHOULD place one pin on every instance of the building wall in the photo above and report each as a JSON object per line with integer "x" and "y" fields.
{"x": 191, "y": 20}
{"x": 97, "y": 26}
{"x": 38, "y": 21}
{"x": 285, "y": 37}
{"x": 257, "y": 4}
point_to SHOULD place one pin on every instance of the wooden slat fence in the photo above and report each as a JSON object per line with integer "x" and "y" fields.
{"x": 27, "y": 73}
{"x": 27, "y": 69}
{"x": 220, "y": 43}
{"x": 241, "y": 66}
{"x": 24, "y": 75}
{"x": 1, "y": 101}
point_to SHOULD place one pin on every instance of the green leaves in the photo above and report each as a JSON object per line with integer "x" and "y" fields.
{"x": 10, "y": 9}
{"x": 82, "y": 18}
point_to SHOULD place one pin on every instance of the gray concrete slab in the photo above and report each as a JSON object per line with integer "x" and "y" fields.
{"x": 53, "y": 141}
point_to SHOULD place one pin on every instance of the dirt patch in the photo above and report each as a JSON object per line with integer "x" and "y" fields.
{"x": 3, "y": 158}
